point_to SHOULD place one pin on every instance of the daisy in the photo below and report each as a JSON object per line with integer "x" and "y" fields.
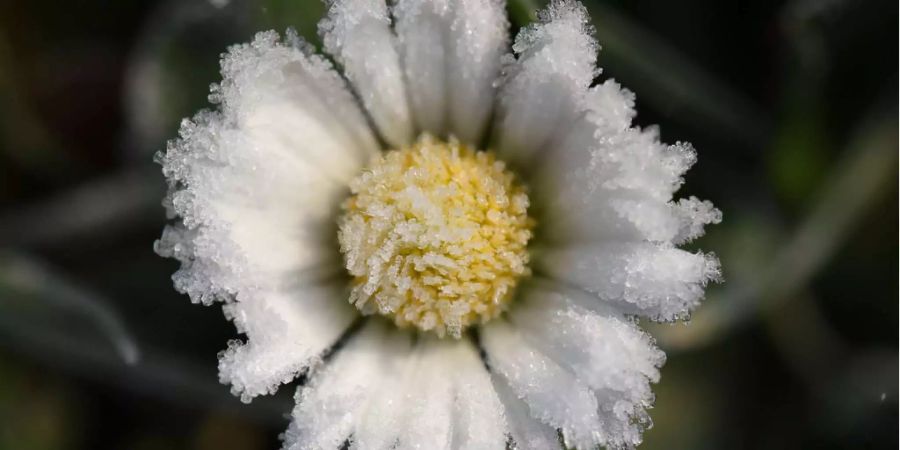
{"x": 451, "y": 241}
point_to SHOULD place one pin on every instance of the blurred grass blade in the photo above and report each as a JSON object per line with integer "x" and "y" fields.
{"x": 39, "y": 305}
{"x": 672, "y": 84}
{"x": 55, "y": 322}
{"x": 96, "y": 209}
{"x": 869, "y": 163}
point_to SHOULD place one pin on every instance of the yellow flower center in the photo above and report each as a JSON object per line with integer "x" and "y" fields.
{"x": 435, "y": 236}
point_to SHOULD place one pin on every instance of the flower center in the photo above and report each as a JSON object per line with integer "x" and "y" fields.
{"x": 435, "y": 236}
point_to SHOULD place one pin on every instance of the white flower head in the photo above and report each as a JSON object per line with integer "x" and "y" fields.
{"x": 452, "y": 242}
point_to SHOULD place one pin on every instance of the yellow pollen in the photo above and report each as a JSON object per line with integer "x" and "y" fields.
{"x": 435, "y": 236}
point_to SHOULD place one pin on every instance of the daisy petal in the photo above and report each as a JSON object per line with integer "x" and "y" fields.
{"x": 478, "y": 39}
{"x": 543, "y": 89}
{"x": 553, "y": 394}
{"x": 241, "y": 231}
{"x": 420, "y": 392}
{"x": 604, "y": 350}
{"x": 358, "y": 34}
{"x": 422, "y": 31}
{"x": 527, "y": 432}
{"x": 478, "y": 415}
{"x": 330, "y": 406}
{"x": 451, "y": 56}
{"x": 430, "y": 402}
{"x": 379, "y": 427}
{"x": 607, "y": 181}
{"x": 652, "y": 280}
{"x": 286, "y": 333}
{"x": 283, "y": 85}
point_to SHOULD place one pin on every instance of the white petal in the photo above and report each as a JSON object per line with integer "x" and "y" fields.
{"x": 607, "y": 181}
{"x": 606, "y": 351}
{"x": 478, "y": 40}
{"x": 479, "y": 422}
{"x": 656, "y": 281}
{"x": 286, "y": 333}
{"x": 284, "y": 85}
{"x": 255, "y": 184}
{"x": 422, "y": 28}
{"x": 451, "y": 54}
{"x": 527, "y": 432}
{"x": 553, "y": 394}
{"x": 331, "y": 405}
{"x": 380, "y": 426}
{"x": 694, "y": 214}
{"x": 386, "y": 412}
{"x": 358, "y": 34}
{"x": 430, "y": 402}
{"x": 543, "y": 90}
{"x": 396, "y": 415}
{"x": 437, "y": 396}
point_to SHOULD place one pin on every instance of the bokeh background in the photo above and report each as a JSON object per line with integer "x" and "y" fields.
{"x": 792, "y": 106}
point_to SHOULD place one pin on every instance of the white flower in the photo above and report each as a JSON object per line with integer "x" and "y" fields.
{"x": 511, "y": 280}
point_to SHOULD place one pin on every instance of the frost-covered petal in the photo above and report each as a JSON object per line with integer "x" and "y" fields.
{"x": 440, "y": 396}
{"x": 451, "y": 53}
{"x": 379, "y": 427}
{"x": 429, "y": 402}
{"x": 544, "y": 88}
{"x": 478, "y": 38}
{"x": 331, "y": 405}
{"x": 553, "y": 394}
{"x": 286, "y": 332}
{"x": 253, "y": 186}
{"x": 605, "y": 180}
{"x": 416, "y": 411}
{"x": 653, "y": 280}
{"x": 527, "y": 433}
{"x": 358, "y": 34}
{"x": 479, "y": 420}
{"x": 422, "y": 32}
{"x": 601, "y": 348}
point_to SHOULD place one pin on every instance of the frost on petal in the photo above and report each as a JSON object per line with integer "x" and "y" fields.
{"x": 451, "y": 53}
{"x": 331, "y": 405}
{"x": 543, "y": 89}
{"x": 358, "y": 34}
{"x": 478, "y": 39}
{"x": 429, "y": 403}
{"x": 253, "y": 188}
{"x": 479, "y": 419}
{"x": 602, "y": 349}
{"x": 419, "y": 391}
{"x": 439, "y": 396}
{"x": 656, "y": 281}
{"x": 255, "y": 184}
{"x": 694, "y": 214}
{"x": 286, "y": 332}
{"x": 527, "y": 433}
{"x": 606, "y": 180}
{"x": 379, "y": 427}
{"x": 553, "y": 394}
{"x": 422, "y": 31}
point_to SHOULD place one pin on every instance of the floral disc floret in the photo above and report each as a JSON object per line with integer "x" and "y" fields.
{"x": 435, "y": 236}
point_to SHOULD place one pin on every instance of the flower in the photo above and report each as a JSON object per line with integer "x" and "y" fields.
{"x": 496, "y": 222}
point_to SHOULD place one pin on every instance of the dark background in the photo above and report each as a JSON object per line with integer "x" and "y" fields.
{"x": 791, "y": 105}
